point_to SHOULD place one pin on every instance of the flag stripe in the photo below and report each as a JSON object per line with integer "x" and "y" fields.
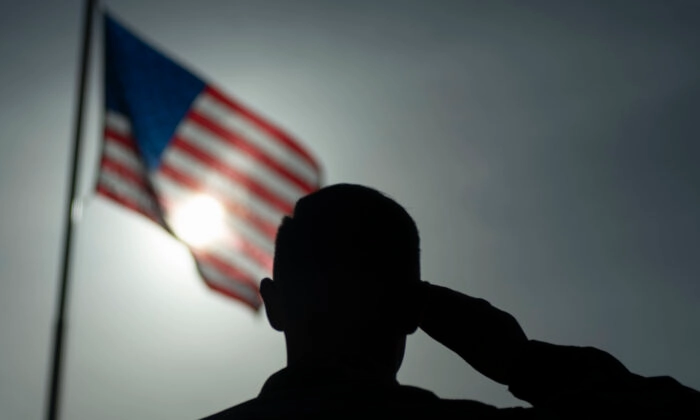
{"x": 217, "y": 281}
{"x": 232, "y": 174}
{"x": 268, "y": 229}
{"x": 262, "y": 259}
{"x": 110, "y": 165}
{"x": 256, "y": 255}
{"x": 226, "y": 268}
{"x": 245, "y": 146}
{"x": 176, "y": 193}
{"x": 235, "y": 158}
{"x": 125, "y": 157}
{"x": 228, "y": 256}
{"x": 124, "y": 139}
{"x": 240, "y": 124}
{"x": 127, "y": 202}
{"x": 231, "y": 241}
{"x": 216, "y": 182}
{"x": 121, "y": 187}
{"x": 122, "y": 174}
{"x": 272, "y": 131}
{"x": 246, "y": 253}
{"x": 118, "y": 122}
{"x": 244, "y": 297}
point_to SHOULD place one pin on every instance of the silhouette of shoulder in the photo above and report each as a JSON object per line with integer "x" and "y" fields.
{"x": 308, "y": 395}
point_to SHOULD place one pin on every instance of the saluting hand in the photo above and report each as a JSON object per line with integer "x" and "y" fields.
{"x": 487, "y": 338}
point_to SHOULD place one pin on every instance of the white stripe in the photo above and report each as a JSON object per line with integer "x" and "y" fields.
{"x": 239, "y": 260}
{"x": 123, "y": 188}
{"x": 118, "y": 122}
{"x": 175, "y": 193}
{"x": 125, "y": 156}
{"x": 240, "y": 288}
{"x": 213, "y": 109}
{"x": 240, "y": 161}
{"x": 214, "y": 181}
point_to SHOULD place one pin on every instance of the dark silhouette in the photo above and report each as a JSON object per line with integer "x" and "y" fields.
{"x": 347, "y": 292}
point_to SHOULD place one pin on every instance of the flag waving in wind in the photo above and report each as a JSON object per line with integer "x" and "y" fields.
{"x": 196, "y": 161}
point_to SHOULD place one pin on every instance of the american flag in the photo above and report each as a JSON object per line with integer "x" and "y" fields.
{"x": 196, "y": 161}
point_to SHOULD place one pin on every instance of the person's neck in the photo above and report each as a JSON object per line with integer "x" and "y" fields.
{"x": 349, "y": 366}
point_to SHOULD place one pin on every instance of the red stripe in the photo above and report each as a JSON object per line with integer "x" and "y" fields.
{"x": 230, "y": 293}
{"x": 248, "y": 148}
{"x": 226, "y": 268}
{"x": 180, "y": 177}
{"x": 253, "y": 186}
{"x": 126, "y": 202}
{"x": 247, "y": 247}
{"x": 263, "y": 258}
{"x": 219, "y": 265}
{"x": 108, "y": 164}
{"x": 263, "y": 125}
{"x": 125, "y": 141}
{"x": 253, "y": 252}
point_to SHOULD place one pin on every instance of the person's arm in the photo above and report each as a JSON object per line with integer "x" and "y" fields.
{"x": 563, "y": 379}
{"x": 590, "y": 380}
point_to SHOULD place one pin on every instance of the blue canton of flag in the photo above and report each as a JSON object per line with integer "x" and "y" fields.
{"x": 197, "y": 162}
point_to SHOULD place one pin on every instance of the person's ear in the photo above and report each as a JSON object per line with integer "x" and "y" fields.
{"x": 273, "y": 303}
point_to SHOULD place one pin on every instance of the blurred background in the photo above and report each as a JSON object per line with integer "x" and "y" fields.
{"x": 548, "y": 151}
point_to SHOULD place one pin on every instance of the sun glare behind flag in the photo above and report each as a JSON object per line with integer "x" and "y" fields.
{"x": 192, "y": 159}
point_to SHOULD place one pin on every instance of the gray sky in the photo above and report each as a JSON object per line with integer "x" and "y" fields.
{"x": 548, "y": 153}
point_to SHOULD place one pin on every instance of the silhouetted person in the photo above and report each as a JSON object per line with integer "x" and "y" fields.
{"x": 347, "y": 291}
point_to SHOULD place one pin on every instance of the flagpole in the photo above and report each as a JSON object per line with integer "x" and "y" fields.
{"x": 59, "y": 328}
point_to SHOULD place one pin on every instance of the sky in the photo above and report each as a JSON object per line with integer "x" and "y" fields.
{"x": 547, "y": 151}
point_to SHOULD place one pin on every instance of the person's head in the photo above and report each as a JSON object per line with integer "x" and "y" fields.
{"x": 346, "y": 264}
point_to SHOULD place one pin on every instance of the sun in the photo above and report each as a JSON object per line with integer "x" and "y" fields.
{"x": 199, "y": 221}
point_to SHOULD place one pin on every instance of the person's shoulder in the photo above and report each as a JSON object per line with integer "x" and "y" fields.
{"x": 243, "y": 411}
{"x": 406, "y": 402}
{"x": 458, "y": 409}
{"x": 418, "y": 403}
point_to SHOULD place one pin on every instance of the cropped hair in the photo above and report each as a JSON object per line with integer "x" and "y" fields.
{"x": 347, "y": 231}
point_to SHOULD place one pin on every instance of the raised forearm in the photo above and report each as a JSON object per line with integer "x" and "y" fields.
{"x": 485, "y": 337}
